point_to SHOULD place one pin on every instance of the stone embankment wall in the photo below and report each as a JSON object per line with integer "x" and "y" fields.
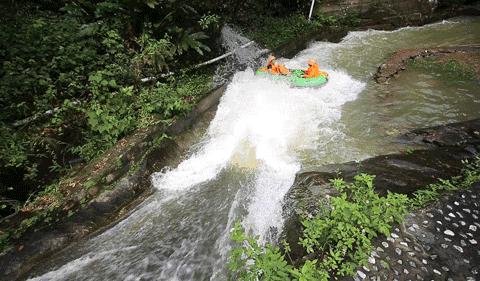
{"x": 375, "y": 12}
{"x": 363, "y": 7}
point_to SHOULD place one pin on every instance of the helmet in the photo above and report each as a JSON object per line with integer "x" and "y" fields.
{"x": 311, "y": 62}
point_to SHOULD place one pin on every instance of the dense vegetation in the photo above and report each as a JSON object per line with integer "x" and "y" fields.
{"x": 71, "y": 85}
{"x": 273, "y": 32}
{"x": 71, "y": 82}
{"x": 338, "y": 239}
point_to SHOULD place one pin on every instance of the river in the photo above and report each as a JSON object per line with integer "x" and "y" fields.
{"x": 262, "y": 134}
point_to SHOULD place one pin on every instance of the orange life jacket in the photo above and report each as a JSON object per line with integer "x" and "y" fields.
{"x": 278, "y": 69}
{"x": 312, "y": 71}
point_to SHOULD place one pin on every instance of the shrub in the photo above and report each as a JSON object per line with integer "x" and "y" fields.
{"x": 338, "y": 239}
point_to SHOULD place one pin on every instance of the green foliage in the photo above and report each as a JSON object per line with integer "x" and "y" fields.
{"x": 187, "y": 40}
{"x": 326, "y": 20}
{"x": 154, "y": 53}
{"x": 355, "y": 217}
{"x": 47, "y": 65}
{"x": 209, "y": 22}
{"x": 12, "y": 147}
{"x": 272, "y": 32}
{"x": 156, "y": 56}
{"x": 338, "y": 239}
{"x": 253, "y": 262}
{"x": 470, "y": 175}
{"x": 109, "y": 118}
{"x": 45, "y": 61}
{"x": 309, "y": 272}
{"x": 76, "y": 72}
{"x": 350, "y": 19}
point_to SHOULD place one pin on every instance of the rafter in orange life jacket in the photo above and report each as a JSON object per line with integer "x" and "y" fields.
{"x": 275, "y": 68}
{"x": 314, "y": 71}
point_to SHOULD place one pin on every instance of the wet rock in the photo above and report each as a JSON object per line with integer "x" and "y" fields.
{"x": 400, "y": 59}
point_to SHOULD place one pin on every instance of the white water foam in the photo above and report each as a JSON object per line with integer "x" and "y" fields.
{"x": 273, "y": 122}
{"x": 64, "y": 272}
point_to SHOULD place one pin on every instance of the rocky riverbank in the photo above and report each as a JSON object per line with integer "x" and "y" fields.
{"x": 393, "y": 14}
{"x": 439, "y": 155}
{"x": 468, "y": 56}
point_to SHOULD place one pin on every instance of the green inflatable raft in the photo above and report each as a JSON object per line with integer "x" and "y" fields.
{"x": 296, "y": 78}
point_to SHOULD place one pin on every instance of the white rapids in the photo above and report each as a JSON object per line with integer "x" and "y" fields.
{"x": 263, "y": 124}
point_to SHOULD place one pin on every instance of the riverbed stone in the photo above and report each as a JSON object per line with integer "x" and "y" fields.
{"x": 449, "y": 232}
{"x": 445, "y": 260}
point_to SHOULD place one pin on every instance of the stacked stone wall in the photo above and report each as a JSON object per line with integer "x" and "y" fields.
{"x": 378, "y": 11}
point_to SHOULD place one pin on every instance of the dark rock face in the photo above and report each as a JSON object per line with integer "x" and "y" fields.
{"x": 387, "y": 14}
{"x": 378, "y": 9}
{"x": 444, "y": 148}
{"x": 463, "y": 134}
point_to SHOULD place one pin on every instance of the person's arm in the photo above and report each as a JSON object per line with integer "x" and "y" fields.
{"x": 283, "y": 69}
{"x": 308, "y": 73}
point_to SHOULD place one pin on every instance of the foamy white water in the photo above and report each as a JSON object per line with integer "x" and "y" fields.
{"x": 273, "y": 122}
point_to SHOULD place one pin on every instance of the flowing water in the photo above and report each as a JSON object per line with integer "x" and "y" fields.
{"x": 263, "y": 133}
